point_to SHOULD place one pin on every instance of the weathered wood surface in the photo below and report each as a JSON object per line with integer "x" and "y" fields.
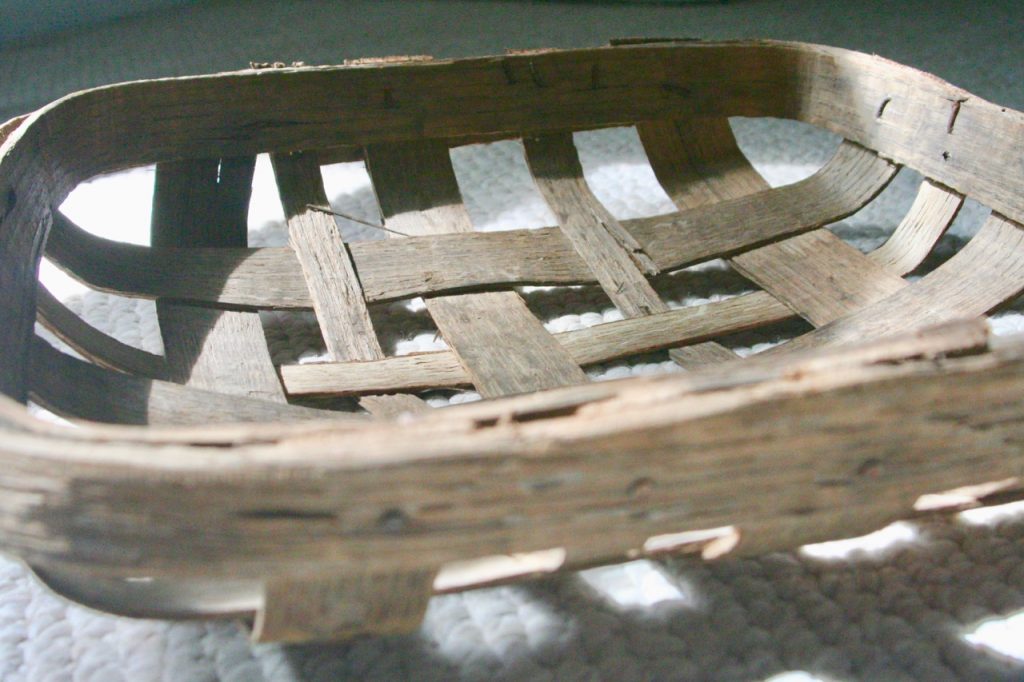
{"x": 79, "y": 390}
{"x": 816, "y": 273}
{"x": 588, "y": 346}
{"x": 441, "y": 263}
{"x": 333, "y": 284}
{"x": 206, "y": 203}
{"x": 362, "y": 497}
{"x": 503, "y": 347}
{"x": 91, "y": 343}
{"x": 351, "y": 519}
{"x": 330, "y": 606}
{"x": 986, "y": 273}
{"x": 698, "y": 163}
{"x": 330, "y": 274}
{"x": 931, "y": 214}
{"x": 905, "y": 115}
{"x": 614, "y": 256}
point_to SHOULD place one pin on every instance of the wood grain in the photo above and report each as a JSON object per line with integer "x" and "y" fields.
{"x": 503, "y": 347}
{"x": 79, "y": 390}
{"x": 588, "y": 472}
{"x": 243, "y": 114}
{"x": 327, "y": 266}
{"x": 91, "y": 343}
{"x": 615, "y": 257}
{"x": 933, "y": 211}
{"x": 986, "y": 273}
{"x": 206, "y": 203}
{"x": 440, "y": 263}
{"x": 698, "y": 163}
{"x": 592, "y": 345}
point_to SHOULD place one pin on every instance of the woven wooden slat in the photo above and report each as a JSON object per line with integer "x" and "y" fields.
{"x": 817, "y": 274}
{"x": 366, "y": 510}
{"x": 93, "y": 344}
{"x": 698, "y": 163}
{"x": 932, "y": 212}
{"x": 588, "y": 346}
{"x": 869, "y": 172}
{"x": 628, "y": 337}
{"x": 271, "y": 278}
{"x": 986, "y": 273}
{"x": 333, "y": 283}
{"x": 616, "y": 258}
{"x": 503, "y": 346}
{"x": 205, "y": 203}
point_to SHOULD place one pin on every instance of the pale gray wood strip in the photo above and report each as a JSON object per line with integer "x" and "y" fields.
{"x": 697, "y": 161}
{"x": 588, "y": 346}
{"x": 986, "y": 273}
{"x": 504, "y": 348}
{"x": 271, "y": 278}
{"x": 416, "y": 372}
{"x": 700, "y": 355}
{"x": 205, "y": 203}
{"x": 931, "y": 214}
{"x": 333, "y": 283}
{"x": 849, "y": 180}
{"x": 837, "y": 89}
{"x": 93, "y": 344}
{"x": 618, "y": 264}
{"x": 76, "y": 389}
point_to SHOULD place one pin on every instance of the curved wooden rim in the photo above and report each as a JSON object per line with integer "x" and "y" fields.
{"x": 417, "y": 492}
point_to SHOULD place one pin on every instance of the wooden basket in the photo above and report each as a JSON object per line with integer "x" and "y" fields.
{"x": 215, "y": 494}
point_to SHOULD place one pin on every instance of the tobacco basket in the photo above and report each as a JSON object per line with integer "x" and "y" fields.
{"x": 216, "y": 493}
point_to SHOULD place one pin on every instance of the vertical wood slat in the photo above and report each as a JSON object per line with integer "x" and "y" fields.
{"x": 504, "y": 348}
{"x": 697, "y": 170}
{"x": 619, "y": 263}
{"x": 205, "y": 203}
{"x": 326, "y": 606}
{"x": 327, "y": 265}
{"x": 933, "y": 211}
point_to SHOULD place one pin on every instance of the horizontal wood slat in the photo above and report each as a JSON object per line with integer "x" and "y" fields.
{"x": 589, "y": 346}
{"x": 271, "y": 278}
{"x": 986, "y": 273}
{"x": 93, "y": 344}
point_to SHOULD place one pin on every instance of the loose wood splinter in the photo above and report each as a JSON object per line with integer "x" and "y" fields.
{"x": 200, "y": 483}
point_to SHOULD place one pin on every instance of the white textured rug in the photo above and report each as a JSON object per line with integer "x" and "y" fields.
{"x": 944, "y": 600}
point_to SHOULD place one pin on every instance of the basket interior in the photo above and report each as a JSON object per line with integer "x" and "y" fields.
{"x": 485, "y": 296}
